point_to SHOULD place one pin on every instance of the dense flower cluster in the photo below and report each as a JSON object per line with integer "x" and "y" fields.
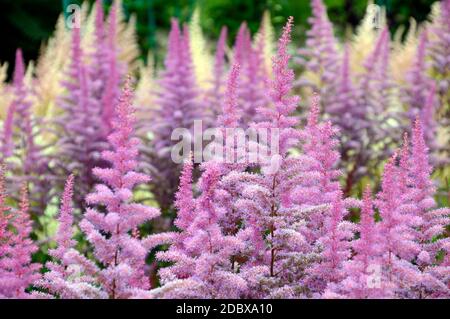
{"x": 313, "y": 220}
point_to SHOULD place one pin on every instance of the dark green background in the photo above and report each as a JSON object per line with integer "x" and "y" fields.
{"x": 26, "y": 23}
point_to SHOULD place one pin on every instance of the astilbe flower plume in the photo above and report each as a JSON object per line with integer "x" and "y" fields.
{"x": 17, "y": 271}
{"x": 418, "y": 82}
{"x": 334, "y": 250}
{"x": 320, "y": 57}
{"x": 361, "y": 270}
{"x": 433, "y": 220}
{"x": 120, "y": 253}
{"x": 82, "y": 131}
{"x": 69, "y": 274}
{"x": 202, "y": 254}
{"x": 178, "y": 106}
{"x": 396, "y": 230}
{"x": 318, "y": 184}
{"x": 115, "y": 72}
{"x": 21, "y": 154}
{"x": 439, "y": 51}
{"x": 252, "y": 83}
{"x": 264, "y": 204}
{"x": 378, "y": 124}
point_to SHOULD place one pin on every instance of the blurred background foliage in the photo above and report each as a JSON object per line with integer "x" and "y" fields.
{"x": 28, "y": 23}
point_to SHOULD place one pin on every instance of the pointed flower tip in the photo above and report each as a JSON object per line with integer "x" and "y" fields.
{"x": 315, "y": 110}
{"x": 367, "y": 192}
{"x": 19, "y": 69}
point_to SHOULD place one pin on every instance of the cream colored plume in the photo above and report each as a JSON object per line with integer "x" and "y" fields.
{"x": 88, "y": 26}
{"x": 366, "y": 36}
{"x": 201, "y": 57}
{"x": 5, "y": 92}
{"x": 267, "y": 31}
{"x": 50, "y": 68}
{"x": 127, "y": 39}
{"x": 404, "y": 52}
{"x": 145, "y": 92}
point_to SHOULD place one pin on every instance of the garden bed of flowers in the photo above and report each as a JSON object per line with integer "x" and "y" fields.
{"x": 99, "y": 198}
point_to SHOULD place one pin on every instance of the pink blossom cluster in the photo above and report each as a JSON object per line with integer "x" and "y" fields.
{"x": 131, "y": 223}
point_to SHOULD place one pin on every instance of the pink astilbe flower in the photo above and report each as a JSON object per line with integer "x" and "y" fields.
{"x": 428, "y": 119}
{"x": 68, "y": 274}
{"x": 99, "y": 65}
{"x": 396, "y": 229}
{"x": 177, "y": 253}
{"x": 320, "y": 56}
{"x": 121, "y": 255}
{"x": 252, "y": 84}
{"x": 4, "y": 215}
{"x": 83, "y": 137}
{"x": 423, "y": 189}
{"x": 374, "y": 124}
{"x": 115, "y": 70}
{"x": 242, "y": 44}
{"x": 22, "y": 154}
{"x": 360, "y": 271}
{"x": 334, "y": 246}
{"x": 17, "y": 271}
{"x": 439, "y": 52}
{"x": 433, "y": 220}
{"x": 83, "y": 132}
{"x": 349, "y": 117}
{"x": 205, "y": 258}
{"x": 18, "y": 131}
{"x": 230, "y": 113}
{"x": 179, "y": 105}
{"x": 319, "y": 177}
{"x": 420, "y": 95}
{"x": 276, "y": 268}
{"x": 418, "y": 82}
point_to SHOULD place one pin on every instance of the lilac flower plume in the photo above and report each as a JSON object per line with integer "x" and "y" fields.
{"x": 227, "y": 187}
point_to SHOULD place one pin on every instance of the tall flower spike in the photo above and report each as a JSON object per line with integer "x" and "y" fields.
{"x": 242, "y": 44}
{"x": 439, "y": 51}
{"x": 99, "y": 66}
{"x": 417, "y": 79}
{"x": 320, "y": 57}
{"x": 69, "y": 274}
{"x": 319, "y": 183}
{"x": 17, "y": 271}
{"x": 65, "y": 219}
{"x": 4, "y": 215}
{"x": 336, "y": 247}
{"x": 397, "y": 234}
{"x": 280, "y": 87}
{"x": 179, "y": 106}
{"x": 360, "y": 271}
{"x": 230, "y": 116}
{"x": 185, "y": 197}
{"x": 434, "y": 220}
{"x": 111, "y": 92}
{"x": 208, "y": 268}
{"x": 122, "y": 254}
{"x": 253, "y": 84}
{"x": 83, "y": 136}
{"x": 373, "y": 117}
{"x": 274, "y": 222}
